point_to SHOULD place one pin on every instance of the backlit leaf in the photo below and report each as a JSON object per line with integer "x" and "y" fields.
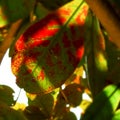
{"x": 7, "y": 113}
{"x": 6, "y": 94}
{"x": 49, "y": 51}
{"x": 116, "y": 115}
{"x": 104, "y": 104}
{"x": 13, "y": 10}
{"x": 96, "y": 55}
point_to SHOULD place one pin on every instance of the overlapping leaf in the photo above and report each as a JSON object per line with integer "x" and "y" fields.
{"x": 96, "y": 54}
{"x": 12, "y": 10}
{"x": 7, "y": 113}
{"x": 49, "y": 51}
{"x": 6, "y": 94}
{"x": 54, "y": 4}
{"x": 34, "y": 113}
{"x": 113, "y": 54}
{"x": 104, "y": 105}
{"x": 45, "y": 103}
{"x": 116, "y": 115}
{"x": 73, "y": 94}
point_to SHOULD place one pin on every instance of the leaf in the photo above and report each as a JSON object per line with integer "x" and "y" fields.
{"x": 40, "y": 11}
{"x": 16, "y": 9}
{"x": 54, "y": 4}
{"x": 85, "y": 104}
{"x": 113, "y": 55}
{"x": 116, "y": 115}
{"x": 3, "y": 18}
{"x": 44, "y": 102}
{"x": 34, "y": 113}
{"x": 104, "y": 104}
{"x": 60, "y": 107}
{"x": 49, "y": 50}
{"x": 7, "y": 113}
{"x": 6, "y": 94}
{"x": 69, "y": 116}
{"x": 96, "y": 55}
{"x": 73, "y": 94}
{"x": 19, "y": 106}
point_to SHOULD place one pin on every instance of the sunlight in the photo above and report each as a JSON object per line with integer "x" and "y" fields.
{"x": 7, "y": 78}
{"x": 77, "y": 111}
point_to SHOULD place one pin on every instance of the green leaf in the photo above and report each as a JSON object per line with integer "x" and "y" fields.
{"x": 3, "y": 18}
{"x": 6, "y": 94}
{"x": 16, "y": 9}
{"x": 44, "y": 102}
{"x": 7, "y": 113}
{"x": 84, "y": 104}
{"x": 96, "y": 55}
{"x": 104, "y": 104}
{"x": 48, "y": 52}
{"x": 116, "y": 115}
{"x": 40, "y": 11}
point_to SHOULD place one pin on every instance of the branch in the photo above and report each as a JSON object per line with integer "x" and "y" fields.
{"x": 108, "y": 18}
{"x": 9, "y": 38}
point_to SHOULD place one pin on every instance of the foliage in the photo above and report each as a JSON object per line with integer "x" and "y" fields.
{"x": 55, "y": 44}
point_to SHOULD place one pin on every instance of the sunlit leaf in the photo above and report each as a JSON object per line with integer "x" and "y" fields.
{"x": 84, "y": 105}
{"x": 3, "y": 18}
{"x": 6, "y": 94}
{"x": 50, "y": 50}
{"x": 104, "y": 104}
{"x": 116, "y": 115}
{"x": 19, "y": 106}
{"x": 96, "y": 55}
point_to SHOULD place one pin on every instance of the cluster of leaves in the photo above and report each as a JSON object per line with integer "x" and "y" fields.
{"x": 56, "y": 42}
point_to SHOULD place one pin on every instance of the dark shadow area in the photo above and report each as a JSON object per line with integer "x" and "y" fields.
{"x": 54, "y": 4}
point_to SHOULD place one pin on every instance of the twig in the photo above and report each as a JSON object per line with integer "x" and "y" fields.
{"x": 108, "y": 18}
{"x": 9, "y": 38}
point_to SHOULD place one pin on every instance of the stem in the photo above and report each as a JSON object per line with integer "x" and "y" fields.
{"x": 9, "y": 38}
{"x": 17, "y": 97}
{"x": 108, "y": 18}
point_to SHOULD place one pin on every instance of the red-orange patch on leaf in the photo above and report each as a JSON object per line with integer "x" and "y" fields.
{"x": 41, "y": 75}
